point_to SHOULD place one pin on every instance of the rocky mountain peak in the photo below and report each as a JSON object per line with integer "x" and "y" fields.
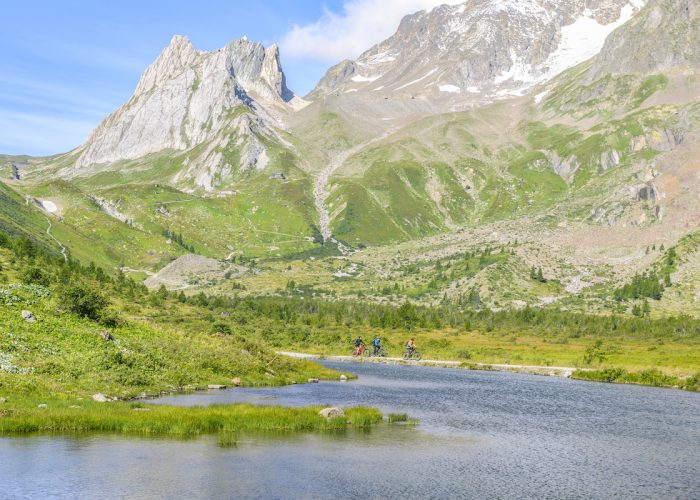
{"x": 188, "y": 97}
{"x": 175, "y": 58}
{"x": 481, "y": 49}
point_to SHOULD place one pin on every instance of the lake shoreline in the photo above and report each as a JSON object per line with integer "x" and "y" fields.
{"x": 550, "y": 371}
{"x": 647, "y": 378}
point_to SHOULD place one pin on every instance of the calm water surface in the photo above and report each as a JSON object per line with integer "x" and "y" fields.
{"x": 481, "y": 434}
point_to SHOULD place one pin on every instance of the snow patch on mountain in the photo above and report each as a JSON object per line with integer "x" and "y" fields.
{"x": 417, "y": 79}
{"x": 360, "y": 78}
{"x": 583, "y": 39}
{"x": 453, "y": 89}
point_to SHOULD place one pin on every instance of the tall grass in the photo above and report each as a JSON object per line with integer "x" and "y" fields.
{"x": 652, "y": 377}
{"x": 226, "y": 421}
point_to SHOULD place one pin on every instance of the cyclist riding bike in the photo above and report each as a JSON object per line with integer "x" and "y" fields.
{"x": 377, "y": 345}
{"x": 359, "y": 346}
{"x": 410, "y": 347}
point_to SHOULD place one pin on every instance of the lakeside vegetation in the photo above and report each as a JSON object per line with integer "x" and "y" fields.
{"x": 139, "y": 419}
{"x": 529, "y": 336}
{"x": 78, "y": 344}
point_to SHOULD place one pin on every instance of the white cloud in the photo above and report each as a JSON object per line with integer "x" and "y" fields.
{"x": 346, "y": 35}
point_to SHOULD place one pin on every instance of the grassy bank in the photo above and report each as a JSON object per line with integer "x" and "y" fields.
{"x": 25, "y": 416}
{"x": 652, "y": 377}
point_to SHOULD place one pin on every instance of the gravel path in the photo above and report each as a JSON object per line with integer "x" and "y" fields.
{"x": 553, "y": 371}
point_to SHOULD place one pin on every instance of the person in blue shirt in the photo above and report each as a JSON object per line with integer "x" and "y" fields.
{"x": 377, "y": 344}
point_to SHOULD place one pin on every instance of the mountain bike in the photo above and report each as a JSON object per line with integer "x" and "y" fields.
{"x": 360, "y": 351}
{"x": 381, "y": 353}
{"x": 414, "y": 355}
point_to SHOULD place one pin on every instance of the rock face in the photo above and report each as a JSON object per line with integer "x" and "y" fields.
{"x": 481, "y": 49}
{"x": 664, "y": 37}
{"x": 229, "y": 98}
{"x": 100, "y": 398}
{"x": 332, "y": 413}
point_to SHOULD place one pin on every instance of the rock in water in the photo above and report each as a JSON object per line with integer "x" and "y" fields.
{"x": 28, "y": 316}
{"x": 236, "y": 382}
{"x": 216, "y": 386}
{"x": 332, "y": 412}
{"x": 313, "y": 381}
{"x": 100, "y": 398}
{"x": 343, "y": 378}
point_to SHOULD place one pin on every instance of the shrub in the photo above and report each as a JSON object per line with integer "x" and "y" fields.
{"x": 84, "y": 301}
{"x": 221, "y": 327}
{"x": 464, "y": 354}
{"x": 34, "y": 275}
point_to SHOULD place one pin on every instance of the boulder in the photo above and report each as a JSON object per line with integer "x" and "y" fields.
{"x": 28, "y": 316}
{"x": 3, "y": 400}
{"x": 236, "y": 382}
{"x": 100, "y": 398}
{"x": 343, "y": 378}
{"x": 43, "y": 405}
{"x": 106, "y": 335}
{"x": 331, "y": 412}
{"x": 216, "y": 386}
{"x": 313, "y": 381}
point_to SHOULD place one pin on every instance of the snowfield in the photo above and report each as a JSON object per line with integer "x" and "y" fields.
{"x": 49, "y": 206}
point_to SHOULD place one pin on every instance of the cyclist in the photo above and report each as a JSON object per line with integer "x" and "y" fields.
{"x": 359, "y": 346}
{"x": 410, "y": 347}
{"x": 377, "y": 345}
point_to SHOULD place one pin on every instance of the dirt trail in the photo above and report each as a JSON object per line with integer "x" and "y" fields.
{"x": 48, "y": 231}
{"x": 321, "y": 184}
{"x": 552, "y": 371}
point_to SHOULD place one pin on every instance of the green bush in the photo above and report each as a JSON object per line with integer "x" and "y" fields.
{"x": 84, "y": 300}
{"x": 34, "y": 275}
{"x": 221, "y": 327}
{"x": 464, "y": 354}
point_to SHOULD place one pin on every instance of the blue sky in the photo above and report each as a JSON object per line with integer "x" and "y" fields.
{"x": 66, "y": 65}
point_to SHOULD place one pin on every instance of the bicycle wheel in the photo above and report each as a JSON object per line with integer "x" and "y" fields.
{"x": 417, "y": 355}
{"x": 367, "y": 353}
{"x": 405, "y": 355}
